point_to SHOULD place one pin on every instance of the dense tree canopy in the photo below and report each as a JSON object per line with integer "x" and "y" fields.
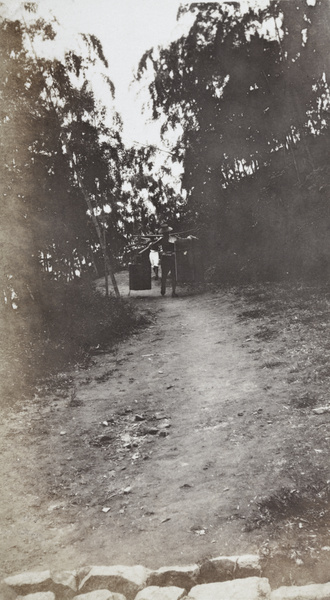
{"x": 56, "y": 153}
{"x": 251, "y": 94}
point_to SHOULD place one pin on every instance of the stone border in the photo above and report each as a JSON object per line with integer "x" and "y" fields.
{"x": 220, "y": 578}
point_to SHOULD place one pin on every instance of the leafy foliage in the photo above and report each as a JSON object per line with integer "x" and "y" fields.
{"x": 55, "y": 146}
{"x": 251, "y": 94}
{"x": 149, "y": 195}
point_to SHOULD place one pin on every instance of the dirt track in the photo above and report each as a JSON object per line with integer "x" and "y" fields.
{"x": 177, "y": 432}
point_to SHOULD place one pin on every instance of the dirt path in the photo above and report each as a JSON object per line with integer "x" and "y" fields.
{"x": 176, "y": 432}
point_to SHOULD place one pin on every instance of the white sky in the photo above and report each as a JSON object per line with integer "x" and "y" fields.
{"x": 126, "y": 29}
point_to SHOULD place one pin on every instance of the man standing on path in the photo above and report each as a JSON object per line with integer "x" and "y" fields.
{"x": 167, "y": 259}
{"x": 166, "y": 246}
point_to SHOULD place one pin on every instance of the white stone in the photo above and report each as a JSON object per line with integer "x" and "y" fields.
{"x": 321, "y": 410}
{"x": 65, "y": 578}
{"x": 30, "y": 582}
{"x": 247, "y": 565}
{"x": 314, "y": 591}
{"x": 27, "y": 578}
{"x": 250, "y": 588}
{"x": 123, "y": 580}
{"x": 155, "y": 592}
{"x": 183, "y": 577}
{"x": 100, "y": 595}
{"x": 38, "y": 596}
{"x": 62, "y": 583}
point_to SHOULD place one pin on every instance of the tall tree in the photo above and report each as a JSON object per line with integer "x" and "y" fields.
{"x": 240, "y": 94}
{"x": 54, "y": 144}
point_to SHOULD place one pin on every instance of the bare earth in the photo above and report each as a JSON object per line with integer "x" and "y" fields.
{"x": 177, "y": 432}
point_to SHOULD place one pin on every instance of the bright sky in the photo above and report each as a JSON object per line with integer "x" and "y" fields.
{"x": 126, "y": 29}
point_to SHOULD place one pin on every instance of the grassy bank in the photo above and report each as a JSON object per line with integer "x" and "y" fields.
{"x": 61, "y": 327}
{"x": 289, "y": 336}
